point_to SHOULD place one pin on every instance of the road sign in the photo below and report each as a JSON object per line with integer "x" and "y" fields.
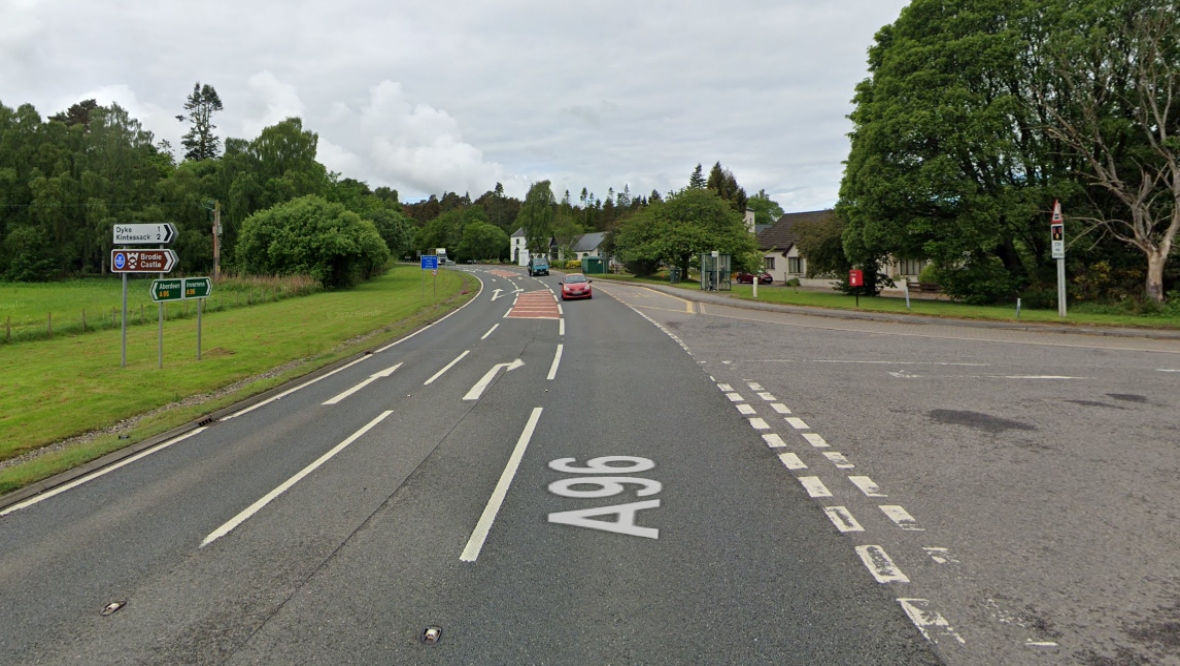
{"x": 856, "y": 278}
{"x": 198, "y": 287}
{"x": 130, "y": 234}
{"x": 142, "y": 261}
{"x": 429, "y": 262}
{"x": 167, "y": 290}
{"x": 1057, "y": 240}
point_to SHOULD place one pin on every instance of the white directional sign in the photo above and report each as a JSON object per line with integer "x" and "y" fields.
{"x": 130, "y": 234}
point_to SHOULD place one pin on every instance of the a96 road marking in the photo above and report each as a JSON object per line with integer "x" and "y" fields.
{"x": 587, "y": 487}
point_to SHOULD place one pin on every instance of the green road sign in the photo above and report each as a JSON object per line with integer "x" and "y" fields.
{"x": 199, "y": 287}
{"x": 167, "y": 290}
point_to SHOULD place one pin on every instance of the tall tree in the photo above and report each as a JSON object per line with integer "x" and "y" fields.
{"x": 200, "y": 142}
{"x": 697, "y": 180}
{"x": 536, "y": 217}
{"x": 77, "y": 114}
{"x": 766, "y": 210}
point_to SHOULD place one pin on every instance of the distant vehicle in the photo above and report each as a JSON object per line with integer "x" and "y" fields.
{"x": 748, "y": 278}
{"x": 538, "y": 266}
{"x": 575, "y": 285}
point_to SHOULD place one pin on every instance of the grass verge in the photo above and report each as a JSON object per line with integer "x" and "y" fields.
{"x": 925, "y": 307}
{"x": 64, "y": 387}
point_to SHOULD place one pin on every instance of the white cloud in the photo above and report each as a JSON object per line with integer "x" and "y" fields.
{"x": 272, "y": 102}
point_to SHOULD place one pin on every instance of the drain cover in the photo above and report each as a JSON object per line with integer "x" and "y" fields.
{"x": 112, "y": 607}
{"x": 431, "y": 635}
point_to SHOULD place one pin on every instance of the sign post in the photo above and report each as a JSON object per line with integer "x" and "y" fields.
{"x": 139, "y": 261}
{"x": 1057, "y": 243}
{"x": 178, "y": 289}
{"x": 430, "y": 263}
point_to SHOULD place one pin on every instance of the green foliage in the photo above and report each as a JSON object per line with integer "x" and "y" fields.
{"x": 793, "y": 282}
{"x": 822, "y": 242}
{"x": 200, "y": 142}
{"x": 697, "y": 180}
{"x": 722, "y": 182}
{"x": 766, "y": 210}
{"x": 929, "y": 273}
{"x": 482, "y": 242}
{"x": 536, "y": 217}
{"x": 980, "y": 280}
{"x": 676, "y": 231}
{"x": 395, "y": 229}
{"x": 311, "y": 236}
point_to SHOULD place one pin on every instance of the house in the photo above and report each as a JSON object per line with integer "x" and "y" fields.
{"x": 783, "y": 260}
{"x": 588, "y": 245}
{"x": 520, "y": 251}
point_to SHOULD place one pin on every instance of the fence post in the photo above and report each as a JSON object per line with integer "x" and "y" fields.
{"x": 8, "y": 329}
{"x": 51, "y": 324}
{"x": 83, "y": 320}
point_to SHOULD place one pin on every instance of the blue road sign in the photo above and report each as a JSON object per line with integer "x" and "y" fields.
{"x": 430, "y": 262}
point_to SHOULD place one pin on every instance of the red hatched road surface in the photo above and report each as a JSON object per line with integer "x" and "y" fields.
{"x": 535, "y": 305}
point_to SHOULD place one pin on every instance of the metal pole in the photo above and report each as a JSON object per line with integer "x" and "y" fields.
{"x": 200, "y": 302}
{"x": 906, "y": 286}
{"x": 160, "y": 336}
{"x": 124, "y": 364}
{"x": 1060, "y": 287}
{"x": 216, "y": 240}
{"x": 756, "y": 276}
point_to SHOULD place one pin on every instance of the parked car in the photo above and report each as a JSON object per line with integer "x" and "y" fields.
{"x": 748, "y": 278}
{"x": 575, "y": 285}
{"x": 538, "y": 266}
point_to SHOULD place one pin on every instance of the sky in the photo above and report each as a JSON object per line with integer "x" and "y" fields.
{"x": 428, "y": 96}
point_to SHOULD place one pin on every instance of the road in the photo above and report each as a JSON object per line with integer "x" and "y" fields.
{"x": 545, "y": 483}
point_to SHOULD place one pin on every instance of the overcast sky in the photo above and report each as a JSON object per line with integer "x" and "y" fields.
{"x": 428, "y": 96}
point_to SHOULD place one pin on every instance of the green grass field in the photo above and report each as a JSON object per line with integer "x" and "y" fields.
{"x": 926, "y": 307}
{"x": 57, "y": 388}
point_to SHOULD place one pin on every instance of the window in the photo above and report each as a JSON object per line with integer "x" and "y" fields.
{"x": 768, "y": 264}
{"x": 910, "y": 266}
{"x": 795, "y": 265}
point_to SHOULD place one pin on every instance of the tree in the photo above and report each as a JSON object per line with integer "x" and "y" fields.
{"x": 1117, "y": 108}
{"x": 200, "y": 142}
{"x": 77, "y": 114}
{"x": 697, "y": 180}
{"x": 483, "y": 241}
{"x": 536, "y": 217}
{"x": 311, "y": 236}
{"x": 722, "y": 182}
{"x": 766, "y": 211}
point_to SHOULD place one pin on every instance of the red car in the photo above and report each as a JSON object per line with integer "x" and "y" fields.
{"x": 575, "y": 285}
{"x": 748, "y": 278}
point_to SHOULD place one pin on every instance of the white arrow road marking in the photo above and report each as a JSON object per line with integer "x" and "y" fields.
{"x": 496, "y": 293}
{"x": 372, "y": 378}
{"x": 932, "y": 625}
{"x": 484, "y": 525}
{"x": 286, "y": 485}
{"x": 94, "y": 475}
{"x": 450, "y": 365}
{"x": 556, "y": 361}
{"x": 482, "y": 385}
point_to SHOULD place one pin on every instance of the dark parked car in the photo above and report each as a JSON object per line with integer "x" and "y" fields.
{"x": 748, "y": 278}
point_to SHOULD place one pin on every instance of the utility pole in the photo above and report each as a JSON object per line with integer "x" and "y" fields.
{"x": 216, "y": 240}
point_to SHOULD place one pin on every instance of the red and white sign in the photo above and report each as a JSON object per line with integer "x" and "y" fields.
{"x": 142, "y": 261}
{"x": 1057, "y": 219}
{"x": 856, "y": 278}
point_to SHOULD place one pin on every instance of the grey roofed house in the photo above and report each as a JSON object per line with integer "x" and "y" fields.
{"x": 781, "y": 235}
{"x": 589, "y": 242}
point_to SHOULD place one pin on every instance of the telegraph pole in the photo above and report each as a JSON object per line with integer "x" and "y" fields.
{"x": 216, "y": 240}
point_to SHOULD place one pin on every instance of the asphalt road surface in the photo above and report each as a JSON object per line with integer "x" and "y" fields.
{"x": 636, "y": 479}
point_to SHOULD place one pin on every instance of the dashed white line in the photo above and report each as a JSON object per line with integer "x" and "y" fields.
{"x": 292, "y": 390}
{"x": 556, "y": 361}
{"x": 735, "y": 397}
{"x": 838, "y": 460}
{"x": 780, "y": 408}
{"x": 759, "y": 424}
{"x": 791, "y": 461}
{"x": 286, "y": 485}
{"x": 877, "y": 561}
{"x": 484, "y": 525}
{"x": 940, "y": 555}
{"x": 774, "y": 441}
{"x": 372, "y": 378}
{"x": 797, "y": 423}
{"x": 867, "y": 486}
{"x": 746, "y": 409}
{"x": 97, "y": 473}
{"x": 490, "y": 331}
{"x": 815, "y": 440}
{"x": 900, "y": 516}
{"x": 814, "y": 487}
{"x": 725, "y": 387}
{"x": 768, "y": 397}
{"x": 755, "y": 386}
{"x": 450, "y": 365}
{"x": 559, "y": 311}
{"x": 842, "y": 519}
{"x": 932, "y": 625}
{"x": 561, "y": 326}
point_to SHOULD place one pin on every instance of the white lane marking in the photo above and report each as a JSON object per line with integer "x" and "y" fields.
{"x": 814, "y": 487}
{"x": 838, "y": 460}
{"x": 877, "y": 561}
{"x": 842, "y": 519}
{"x": 559, "y": 310}
{"x": 815, "y": 440}
{"x": 798, "y": 423}
{"x": 932, "y": 625}
{"x": 774, "y": 441}
{"x": 780, "y": 408}
{"x": 725, "y": 387}
{"x": 1037, "y": 377}
{"x": 867, "y": 486}
{"x": 490, "y": 331}
{"x": 507, "y": 313}
{"x": 496, "y": 293}
{"x": 768, "y": 397}
{"x": 791, "y": 461}
{"x": 450, "y": 365}
{"x": 1167, "y": 370}
{"x": 746, "y": 409}
{"x": 1040, "y": 644}
{"x": 556, "y": 361}
{"x": 100, "y": 472}
{"x": 372, "y": 378}
{"x": 972, "y": 365}
{"x": 561, "y": 326}
{"x": 484, "y": 525}
{"x": 755, "y": 386}
{"x": 900, "y": 516}
{"x": 735, "y": 397}
{"x": 940, "y": 555}
{"x": 436, "y": 323}
{"x": 759, "y": 424}
{"x": 286, "y": 485}
{"x": 292, "y": 390}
